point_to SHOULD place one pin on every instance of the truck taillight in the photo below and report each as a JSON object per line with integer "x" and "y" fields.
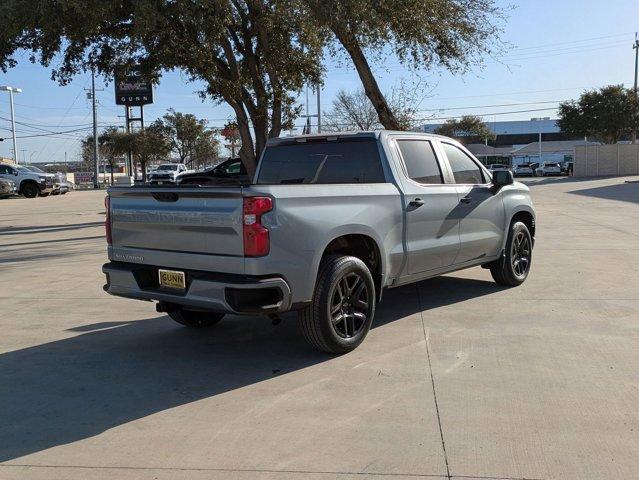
{"x": 256, "y": 239}
{"x": 107, "y": 221}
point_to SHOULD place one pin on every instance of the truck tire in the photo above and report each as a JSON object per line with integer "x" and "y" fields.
{"x": 343, "y": 306}
{"x": 195, "y": 319}
{"x": 513, "y": 268}
{"x": 30, "y": 190}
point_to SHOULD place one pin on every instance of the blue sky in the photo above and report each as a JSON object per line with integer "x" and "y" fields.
{"x": 558, "y": 49}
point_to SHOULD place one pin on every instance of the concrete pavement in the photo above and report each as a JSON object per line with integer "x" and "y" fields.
{"x": 458, "y": 379}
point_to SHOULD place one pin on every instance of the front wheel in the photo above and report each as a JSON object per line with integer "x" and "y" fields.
{"x": 341, "y": 312}
{"x": 195, "y": 319}
{"x": 30, "y": 190}
{"x": 513, "y": 268}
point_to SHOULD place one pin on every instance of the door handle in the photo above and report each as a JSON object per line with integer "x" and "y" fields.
{"x": 418, "y": 202}
{"x": 466, "y": 200}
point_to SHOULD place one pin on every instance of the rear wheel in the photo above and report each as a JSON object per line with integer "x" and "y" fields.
{"x": 30, "y": 190}
{"x": 513, "y": 268}
{"x": 195, "y": 319}
{"x": 341, "y": 312}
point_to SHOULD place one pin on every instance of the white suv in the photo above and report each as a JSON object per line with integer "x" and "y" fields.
{"x": 167, "y": 173}
{"x": 30, "y": 184}
{"x": 548, "y": 169}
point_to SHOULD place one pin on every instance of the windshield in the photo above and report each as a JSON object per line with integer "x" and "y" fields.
{"x": 22, "y": 168}
{"x": 34, "y": 169}
{"x": 167, "y": 167}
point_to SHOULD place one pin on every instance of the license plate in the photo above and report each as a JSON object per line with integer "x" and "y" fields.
{"x": 172, "y": 279}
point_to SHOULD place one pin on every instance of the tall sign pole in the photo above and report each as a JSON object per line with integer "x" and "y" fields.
{"x": 132, "y": 89}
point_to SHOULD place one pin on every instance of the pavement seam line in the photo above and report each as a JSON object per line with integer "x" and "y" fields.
{"x": 432, "y": 381}
{"x": 257, "y": 470}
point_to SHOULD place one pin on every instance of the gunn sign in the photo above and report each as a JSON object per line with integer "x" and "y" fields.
{"x": 131, "y": 89}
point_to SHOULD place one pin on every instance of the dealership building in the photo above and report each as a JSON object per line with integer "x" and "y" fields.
{"x": 517, "y": 141}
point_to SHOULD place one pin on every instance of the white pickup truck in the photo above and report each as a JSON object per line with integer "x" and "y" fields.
{"x": 29, "y": 183}
{"x": 325, "y": 225}
{"x": 167, "y": 173}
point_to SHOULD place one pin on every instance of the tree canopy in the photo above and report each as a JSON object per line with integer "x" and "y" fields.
{"x": 256, "y": 56}
{"x": 466, "y": 126}
{"x": 188, "y": 137}
{"x": 607, "y": 114}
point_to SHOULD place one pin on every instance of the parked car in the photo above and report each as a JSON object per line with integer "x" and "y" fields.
{"x": 546, "y": 169}
{"x": 167, "y": 173}
{"x": 29, "y": 183}
{"x": 7, "y": 188}
{"x": 229, "y": 172}
{"x": 61, "y": 184}
{"x": 326, "y": 225}
{"x": 49, "y": 176}
{"x": 523, "y": 170}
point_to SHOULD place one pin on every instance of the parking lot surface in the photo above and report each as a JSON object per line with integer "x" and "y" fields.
{"x": 459, "y": 378}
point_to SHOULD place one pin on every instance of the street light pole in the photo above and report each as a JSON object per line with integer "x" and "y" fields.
{"x": 6, "y": 88}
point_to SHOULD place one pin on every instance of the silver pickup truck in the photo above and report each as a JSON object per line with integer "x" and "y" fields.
{"x": 328, "y": 222}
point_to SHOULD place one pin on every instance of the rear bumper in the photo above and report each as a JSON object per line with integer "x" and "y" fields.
{"x": 219, "y": 292}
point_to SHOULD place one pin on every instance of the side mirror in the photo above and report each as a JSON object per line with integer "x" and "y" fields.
{"x": 15, "y": 172}
{"x": 501, "y": 178}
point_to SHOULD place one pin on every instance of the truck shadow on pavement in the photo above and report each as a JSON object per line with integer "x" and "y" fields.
{"x": 113, "y": 372}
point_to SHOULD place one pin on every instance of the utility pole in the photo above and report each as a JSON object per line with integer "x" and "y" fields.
{"x": 636, "y": 49}
{"x": 319, "y": 111}
{"x": 9, "y": 89}
{"x": 96, "y": 183}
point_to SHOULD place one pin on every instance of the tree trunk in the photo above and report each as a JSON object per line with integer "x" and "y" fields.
{"x": 386, "y": 116}
{"x": 247, "y": 152}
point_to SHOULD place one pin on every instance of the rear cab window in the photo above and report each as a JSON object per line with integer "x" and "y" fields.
{"x": 322, "y": 161}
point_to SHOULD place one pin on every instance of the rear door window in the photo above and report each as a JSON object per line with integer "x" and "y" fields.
{"x": 465, "y": 170}
{"x": 322, "y": 162}
{"x": 420, "y": 160}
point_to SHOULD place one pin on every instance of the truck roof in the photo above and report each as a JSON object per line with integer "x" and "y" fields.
{"x": 351, "y": 134}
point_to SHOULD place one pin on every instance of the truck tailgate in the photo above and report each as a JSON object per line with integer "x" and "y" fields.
{"x": 202, "y": 221}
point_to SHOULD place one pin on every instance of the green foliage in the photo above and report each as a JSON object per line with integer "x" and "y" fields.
{"x": 256, "y": 56}
{"x": 466, "y": 126}
{"x": 453, "y": 34}
{"x": 186, "y": 134}
{"x": 606, "y": 114}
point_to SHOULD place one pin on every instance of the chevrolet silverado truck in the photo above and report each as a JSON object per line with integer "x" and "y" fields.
{"x": 29, "y": 183}
{"x": 328, "y": 222}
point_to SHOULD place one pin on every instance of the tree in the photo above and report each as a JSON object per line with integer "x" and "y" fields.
{"x": 453, "y": 34}
{"x": 184, "y": 133}
{"x": 113, "y": 145}
{"x": 253, "y": 55}
{"x": 355, "y": 111}
{"x": 149, "y": 145}
{"x": 231, "y": 134}
{"x": 466, "y": 126}
{"x": 206, "y": 149}
{"x": 606, "y": 114}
